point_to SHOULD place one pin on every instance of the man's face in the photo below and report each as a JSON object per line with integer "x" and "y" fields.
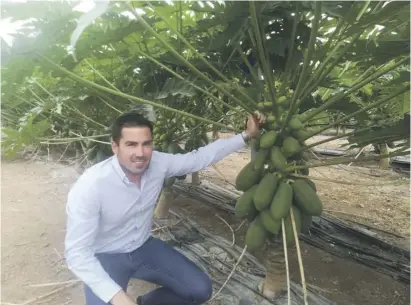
{"x": 134, "y": 149}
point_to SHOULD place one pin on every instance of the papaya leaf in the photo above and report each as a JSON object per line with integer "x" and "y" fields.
{"x": 345, "y": 105}
{"x": 394, "y": 131}
{"x": 385, "y": 15}
{"x": 403, "y": 76}
{"x": 277, "y": 46}
{"x": 15, "y": 140}
{"x": 85, "y": 20}
{"x": 176, "y": 87}
{"x": 369, "y": 53}
{"x": 336, "y": 8}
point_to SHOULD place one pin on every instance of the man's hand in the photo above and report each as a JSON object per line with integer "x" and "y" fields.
{"x": 121, "y": 298}
{"x": 253, "y": 124}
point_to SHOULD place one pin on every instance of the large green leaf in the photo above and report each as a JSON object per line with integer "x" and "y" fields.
{"x": 176, "y": 87}
{"x": 15, "y": 140}
{"x": 394, "y": 131}
{"x": 85, "y": 20}
{"x": 369, "y": 53}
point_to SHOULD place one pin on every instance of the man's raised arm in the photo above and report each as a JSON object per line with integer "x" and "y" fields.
{"x": 182, "y": 164}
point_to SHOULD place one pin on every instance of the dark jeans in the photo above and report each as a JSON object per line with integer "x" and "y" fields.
{"x": 156, "y": 262}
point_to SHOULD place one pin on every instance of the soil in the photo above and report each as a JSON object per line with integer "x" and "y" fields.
{"x": 33, "y": 227}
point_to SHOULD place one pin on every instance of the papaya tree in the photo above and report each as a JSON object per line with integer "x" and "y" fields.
{"x": 278, "y": 198}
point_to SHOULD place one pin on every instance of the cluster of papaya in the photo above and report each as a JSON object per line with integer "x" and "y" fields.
{"x": 378, "y": 119}
{"x": 270, "y": 191}
{"x": 163, "y": 133}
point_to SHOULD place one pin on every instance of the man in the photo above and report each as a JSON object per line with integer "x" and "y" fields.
{"x": 109, "y": 219}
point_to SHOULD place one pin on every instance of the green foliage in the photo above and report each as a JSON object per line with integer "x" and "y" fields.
{"x": 323, "y": 59}
{"x": 385, "y": 132}
{"x": 28, "y": 129}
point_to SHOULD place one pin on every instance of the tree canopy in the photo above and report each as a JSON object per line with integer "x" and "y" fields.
{"x": 69, "y": 73}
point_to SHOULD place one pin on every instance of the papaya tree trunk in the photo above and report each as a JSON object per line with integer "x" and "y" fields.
{"x": 78, "y": 156}
{"x": 385, "y": 162}
{"x": 275, "y": 280}
{"x": 338, "y": 130}
{"x": 164, "y": 203}
{"x": 215, "y": 135}
{"x": 195, "y": 178}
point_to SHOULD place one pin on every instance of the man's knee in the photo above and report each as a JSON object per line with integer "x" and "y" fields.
{"x": 202, "y": 290}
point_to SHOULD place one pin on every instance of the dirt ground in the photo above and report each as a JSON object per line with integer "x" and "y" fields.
{"x": 33, "y": 225}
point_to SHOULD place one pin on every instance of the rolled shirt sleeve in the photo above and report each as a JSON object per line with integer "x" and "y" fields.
{"x": 82, "y": 212}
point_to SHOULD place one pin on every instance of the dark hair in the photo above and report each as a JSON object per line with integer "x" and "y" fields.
{"x": 129, "y": 119}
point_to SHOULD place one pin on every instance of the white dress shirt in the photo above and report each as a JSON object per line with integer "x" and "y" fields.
{"x": 108, "y": 213}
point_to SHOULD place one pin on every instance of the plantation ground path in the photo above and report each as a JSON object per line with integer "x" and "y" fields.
{"x": 33, "y": 224}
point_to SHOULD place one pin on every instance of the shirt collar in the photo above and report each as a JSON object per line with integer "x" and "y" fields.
{"x": 119, "y": 171}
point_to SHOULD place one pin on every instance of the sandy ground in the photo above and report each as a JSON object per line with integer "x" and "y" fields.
{"x": 33, "y": 224}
